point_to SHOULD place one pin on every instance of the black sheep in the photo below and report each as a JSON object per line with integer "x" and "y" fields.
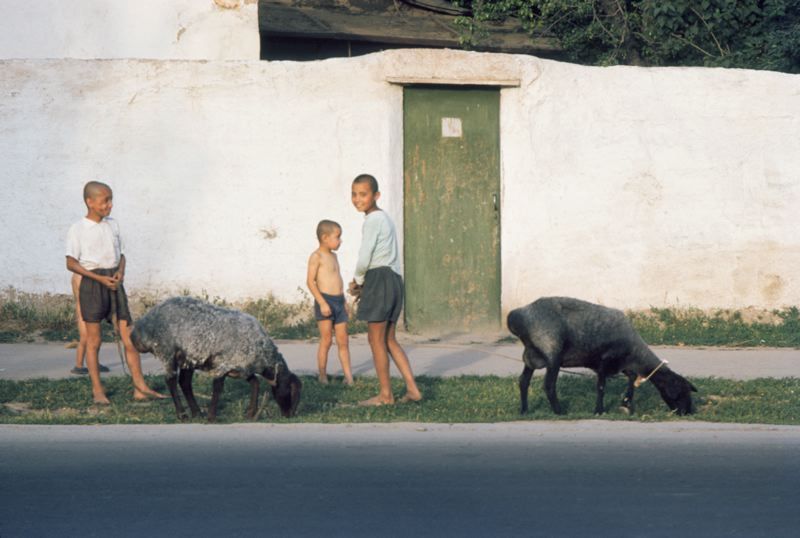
{"x": 563, "y": 332}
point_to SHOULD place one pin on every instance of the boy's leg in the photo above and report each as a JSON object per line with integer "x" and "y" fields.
{"x": 343, "y": 349}
{"x": 403, "y": 365}
{"x": 92, "y": 362}
{"x": 376, "y": 334}
{"x": 325, "y": 341}
{"x": 80, "y": 351}
{"x": 140, "y": 389}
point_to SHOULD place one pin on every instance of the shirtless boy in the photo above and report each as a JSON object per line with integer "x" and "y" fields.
{"x": 330, "y": 309}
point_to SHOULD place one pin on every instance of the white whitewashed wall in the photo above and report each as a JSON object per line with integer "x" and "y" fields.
{"x": 628, "y": 186}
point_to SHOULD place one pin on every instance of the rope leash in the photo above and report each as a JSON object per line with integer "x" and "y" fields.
{"x": 488, "y": 352}
{"x": 265, "y": 399}
{"x": 640, "y": 379}
{"x": 115, "y": 323}
{"x": 263, "y": 405}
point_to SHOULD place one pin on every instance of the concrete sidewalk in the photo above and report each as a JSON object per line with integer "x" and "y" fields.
{"x": 52, "y": 360}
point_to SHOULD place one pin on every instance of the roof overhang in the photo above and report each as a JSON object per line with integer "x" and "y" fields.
{"x": 387, "y": 21}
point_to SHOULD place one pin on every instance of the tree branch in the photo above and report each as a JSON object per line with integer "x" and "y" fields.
{"x": 680, "y": 37}
{"x": 719, "y": 47}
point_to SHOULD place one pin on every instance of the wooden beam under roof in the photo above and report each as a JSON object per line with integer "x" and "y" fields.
{"x": 388, "y": 21}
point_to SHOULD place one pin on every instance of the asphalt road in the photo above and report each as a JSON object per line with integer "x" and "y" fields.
{"x": 591, "y": 478}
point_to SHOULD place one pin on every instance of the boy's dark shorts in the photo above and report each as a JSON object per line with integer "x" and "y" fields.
{"x": 381, "y": 296}
{"x": 95, "y": 300}
{"x": 338, "y": 310}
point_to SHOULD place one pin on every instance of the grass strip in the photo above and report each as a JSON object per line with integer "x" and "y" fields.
{"x": 447, "y": 400}
{"x": 27, "y": 317}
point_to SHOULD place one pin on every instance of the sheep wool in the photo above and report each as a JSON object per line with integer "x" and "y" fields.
{"x": 184, "y": 332}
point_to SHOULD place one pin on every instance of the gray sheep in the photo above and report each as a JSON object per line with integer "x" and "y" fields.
{"x": 559, "y": 331}
{"x": 188, "y": 334}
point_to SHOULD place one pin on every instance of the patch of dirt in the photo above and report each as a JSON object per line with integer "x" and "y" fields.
{"x": 98, "y": 410}
{"x": 24, "y": 408}
{"x": 18, "y": 408}
{"x": 66, "y": 412}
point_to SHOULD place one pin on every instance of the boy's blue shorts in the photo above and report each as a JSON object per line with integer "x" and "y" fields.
{"x": 338, "y": 310}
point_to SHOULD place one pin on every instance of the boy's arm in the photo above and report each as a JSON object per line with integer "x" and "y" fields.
{"x": 311, "y": 281}
{"x": 120, "y": 274}
{"x": 74, "y": 266}
{"x": 369, "y": 239}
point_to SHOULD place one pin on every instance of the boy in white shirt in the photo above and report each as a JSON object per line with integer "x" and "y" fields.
{"x": 94, "y": 251}
{"x": 379, "y": 286}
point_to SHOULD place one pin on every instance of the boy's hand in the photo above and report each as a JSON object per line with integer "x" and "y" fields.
{"x": 325, "y": 308}
{"x": 354, "y": 290}
{"x": 111, "y": 282}
{"x": 119, "y": 276}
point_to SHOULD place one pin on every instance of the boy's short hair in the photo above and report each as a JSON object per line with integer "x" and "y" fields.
{"x": 92, "y": 188}
{"x": 326, "y": 227}
{"x": 367, "y": 178}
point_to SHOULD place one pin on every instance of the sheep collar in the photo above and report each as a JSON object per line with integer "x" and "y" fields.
{"x": 640, "y": 379}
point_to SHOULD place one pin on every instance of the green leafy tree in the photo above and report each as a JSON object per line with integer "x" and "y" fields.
{"x": 754, "y": 34}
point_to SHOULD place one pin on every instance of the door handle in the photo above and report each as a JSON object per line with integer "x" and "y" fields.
{"x": 494, "y": 200}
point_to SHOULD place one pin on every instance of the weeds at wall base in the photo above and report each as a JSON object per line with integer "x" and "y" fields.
{"x": 29, "y": 317}
{"x": 735, "y": 328}
{"x": 32, "y": 317}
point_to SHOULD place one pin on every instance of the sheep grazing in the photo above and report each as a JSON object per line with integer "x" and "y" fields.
{"x": 562, "y": 332}
{"x": 188, "y": 334}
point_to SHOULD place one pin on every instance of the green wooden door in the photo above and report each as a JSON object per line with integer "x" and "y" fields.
{"x": 452, "y": 218}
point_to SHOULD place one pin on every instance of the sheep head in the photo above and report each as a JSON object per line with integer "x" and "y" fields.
{"x": 285, "y": 389}
{"x": 140, "y": 340}
{"x": 675, "y": 390}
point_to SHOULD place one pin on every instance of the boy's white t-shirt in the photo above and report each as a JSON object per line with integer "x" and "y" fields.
{"x": 96, "y": 245}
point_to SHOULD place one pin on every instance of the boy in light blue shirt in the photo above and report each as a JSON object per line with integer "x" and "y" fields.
{"x": 379, "y": 287}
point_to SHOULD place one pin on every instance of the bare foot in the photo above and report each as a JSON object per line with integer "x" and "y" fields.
{"x": 144, "y": 395}
{"x": 348, "y": 381}
{"x": 101, "y": 400}
{"x": 323, "y": 379}
{"x": 375, "y": 401}
{"x": 411, "y": 398}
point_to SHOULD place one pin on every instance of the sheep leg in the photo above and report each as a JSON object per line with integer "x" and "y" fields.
{"x": 172, "y": 383}
{"x": 254, "y": 390}
{"x": 627, "y": 400}
{"x": 185, "y": 380}
{"x": 218, "y": 385}
{"x": 524, "y": 383}
{"x": 601, "y": 392}
{"x": 550, "y": 379}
